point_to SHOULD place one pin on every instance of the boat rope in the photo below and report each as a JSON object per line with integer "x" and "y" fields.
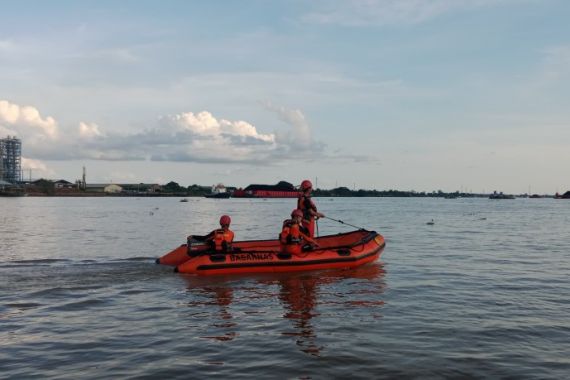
{"x": 340, "y": 221}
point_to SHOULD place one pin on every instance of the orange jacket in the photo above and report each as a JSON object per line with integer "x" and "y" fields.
{"x": 292, "y": 234}
{"x": 222, "y": 240}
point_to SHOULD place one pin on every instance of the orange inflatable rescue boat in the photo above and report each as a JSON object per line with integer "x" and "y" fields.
{"x": 346, "y": 250}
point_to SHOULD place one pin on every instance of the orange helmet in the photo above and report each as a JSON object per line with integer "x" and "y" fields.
{"x": 306, "y": 184}
{"x": 296, "y": 212}
{"x": 225, "y": 220}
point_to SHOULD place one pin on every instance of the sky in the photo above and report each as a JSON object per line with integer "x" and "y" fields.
{"x": 469, "y": 95}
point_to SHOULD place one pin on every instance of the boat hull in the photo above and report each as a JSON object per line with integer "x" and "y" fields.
{"x": 264, "y": 256}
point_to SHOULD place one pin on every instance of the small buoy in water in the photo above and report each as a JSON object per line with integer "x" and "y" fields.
{"x": 430, "y": 223}
{"x": 483, "y": 219}
{"x": 151, "y": 213}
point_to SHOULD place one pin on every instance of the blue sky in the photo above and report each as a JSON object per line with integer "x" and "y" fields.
{"x": 409, "y": 94}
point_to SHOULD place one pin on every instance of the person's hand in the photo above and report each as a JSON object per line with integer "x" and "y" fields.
{"x": 320, "y": 215}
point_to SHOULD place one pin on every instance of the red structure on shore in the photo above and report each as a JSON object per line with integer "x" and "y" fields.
{"x": 281, "y": 190}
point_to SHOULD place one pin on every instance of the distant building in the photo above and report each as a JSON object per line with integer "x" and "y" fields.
{"x": 103, "y": 188}
{"x": 11, "y": 159}
{"x": 113, "y": 189}
{"x": 5, "y": 185}
{"x": 8, "y": 189}
{"x": 141, "y": 187}
{"x": 95, "y": 187}
{"x": 63, "y": 184}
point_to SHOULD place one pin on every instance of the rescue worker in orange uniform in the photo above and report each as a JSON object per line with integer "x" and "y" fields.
{"x": 294, "y": 237}
{"x": 307, "y": 206}
{"x": 219, "y": 240}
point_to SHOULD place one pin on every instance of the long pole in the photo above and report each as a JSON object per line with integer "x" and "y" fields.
{"x": 340, "y": 221}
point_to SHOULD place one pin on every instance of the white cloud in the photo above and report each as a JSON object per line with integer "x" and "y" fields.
{"x": 89, "y": 130}
{"x": 184, "y": 137}
{"x": 556, "y": 63}
{"x": 4, "y": 131}
{"x": 242, "y": 128}
{"x": 6, "y": 45}
{"x": 546, "y": 87}
{"x": 389, "y": 12}
{"x": 116, "y": 55}
{"x": 300, "y": 133}
{"x": 30, "y": 163}
{"x": 205, "y": 124}
{"x": 22, "y": 118}
{"x": 38, "y": 168}
{"x": 202, "y": 137}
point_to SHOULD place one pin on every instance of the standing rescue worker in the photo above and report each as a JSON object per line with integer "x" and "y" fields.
{"x": 219, "y": 240}
{"x": 294, "y": 237}
{"x": 307, "y": 206}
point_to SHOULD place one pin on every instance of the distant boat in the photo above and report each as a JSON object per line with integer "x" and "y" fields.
{"x": 219, "y": 191}
{"x": 566, "y": 195}
{"x": 500, "y": 195}
{"x": 184, "y": 200}
{"x": 282, "y": 189}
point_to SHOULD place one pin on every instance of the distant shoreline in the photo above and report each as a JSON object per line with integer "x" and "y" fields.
{"x": 183, "y": 195}
{"x": 47, "y": 189}
{"x": 62, "y": 188}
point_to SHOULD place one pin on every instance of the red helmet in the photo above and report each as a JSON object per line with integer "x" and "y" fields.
{"x": 225, "y": 220}
{"x": 306, "y": 184}
{"x": 296, "y": 212}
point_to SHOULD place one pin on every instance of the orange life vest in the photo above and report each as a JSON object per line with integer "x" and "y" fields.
{"x": 291, "y": 238}
{"x": 305, "y": 204}
{"x": 291, "y": 233}
{"x": 223, "y": 240}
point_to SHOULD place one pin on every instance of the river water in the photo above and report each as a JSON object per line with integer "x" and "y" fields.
{"x": 484, "y": 292}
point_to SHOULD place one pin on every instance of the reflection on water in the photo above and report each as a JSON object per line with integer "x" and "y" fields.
{"x": 299, "y": 294}
{"x": 223, "y": 297}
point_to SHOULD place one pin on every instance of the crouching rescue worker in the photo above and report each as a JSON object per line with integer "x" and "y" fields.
{"x": 294, "y": 238}
{"x": 220, "y": 240}
{"x": 307, "y": 206}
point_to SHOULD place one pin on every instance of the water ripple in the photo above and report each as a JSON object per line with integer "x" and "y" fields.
{"x": 483, "y": 293}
